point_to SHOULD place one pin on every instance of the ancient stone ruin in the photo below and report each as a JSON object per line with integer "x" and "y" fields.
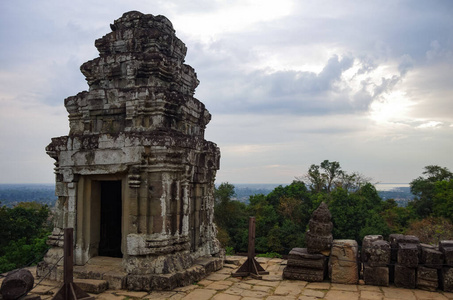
{"x": 402, "y": 261}
{"x": 310, "y": 264}
{"x": 135, "y": 176}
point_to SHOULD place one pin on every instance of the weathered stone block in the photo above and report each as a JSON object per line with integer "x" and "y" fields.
{"x": 320, "y": 228}
{"x": 343, "y": 264}
{"x": 305, "y": 274}
{"x": 446, "y": 247}
{"x": 408, "y": 255}
{"x": 446, "y": 279}
{"x": 379, "y": 253}
{"x": 430, "y": 257}
{"x": 375, "y": 275}
{"x": 405, "y": 276}
{"x": 427, "y": 279}
{"x": 300, "y": 258}
{"x": 366, "y": 243}
{"x": 94, "y": 286}
{"x": 317, "y": 243}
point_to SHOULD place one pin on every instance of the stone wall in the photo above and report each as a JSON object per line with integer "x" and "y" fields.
{"x": 402, "y": 260}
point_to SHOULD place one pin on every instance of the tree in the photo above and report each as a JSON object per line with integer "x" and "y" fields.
{"x": 332, "y": 171}
{"x": 230, "y": 216}
{"x": 224, "y": 193}
{"x": 397, "y": 218}
{"x": 23, "y": 233}
{"x": 316, "y": 179}
{"x": 357, "y": 214}
{"x": 328, "y": 175}
{"x": 423, "y": 188}
{"x": 443, "y": 199}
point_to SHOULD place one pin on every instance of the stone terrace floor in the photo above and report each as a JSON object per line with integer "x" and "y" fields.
{"x": 221, "y": 286}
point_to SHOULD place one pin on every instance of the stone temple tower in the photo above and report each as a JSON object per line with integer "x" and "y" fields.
{"x": 135, "y": 176}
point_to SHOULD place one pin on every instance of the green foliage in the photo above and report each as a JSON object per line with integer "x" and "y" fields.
{"x": 231, "y": 218}
{"x": 23, "y": 234}
{"x": 357, "y": 209}
{"x": 270, "y": 254}
{"x": 356, "y": 214}
{"x": 443, "y": 199}
{"x": 22, "y": 252}
{"x": 397, "y": 218}
{"x": 423, "y": 187}
{"x": 229, "y": 250}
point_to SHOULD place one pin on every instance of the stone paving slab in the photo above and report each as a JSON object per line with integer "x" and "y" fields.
{"x": 221, "y": 286}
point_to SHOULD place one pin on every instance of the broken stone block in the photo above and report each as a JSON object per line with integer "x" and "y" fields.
{"x": 379, "y": 253}
{"x": 300, "y": 258}
{"x": 375, "y": 275}
{"x": 16, "y": 284}
{"x": 446, "y": 247}
{"x": 446, "y": 279}
{"x": 430, "y": 257}
{"x": 396, "y": 239}
{"x": 409, "y": 239}
{"x": 305, "y": 274}
{"x": 427, "y": 279}
{"x": 343, "y": 264}
{"x": 366, "y": 243}
{"x": 317, "y": 243}
{"x": 405, "y": 276}
{"x": 408, "y": 255}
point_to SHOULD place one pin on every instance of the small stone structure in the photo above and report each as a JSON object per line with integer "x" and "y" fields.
{"x": 319, "y": 235}
{"x": 310, "y": 264}
{"x": 135, "y": 176}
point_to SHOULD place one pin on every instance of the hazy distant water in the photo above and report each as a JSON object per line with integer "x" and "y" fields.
{"x": 390, "y": 186}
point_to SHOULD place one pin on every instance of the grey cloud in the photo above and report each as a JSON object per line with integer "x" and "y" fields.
{"x": 386, "y": 85}
{"x": 283, "y": 92}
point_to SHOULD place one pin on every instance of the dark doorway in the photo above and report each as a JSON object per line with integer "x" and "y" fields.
{"x": 111, "y": 213}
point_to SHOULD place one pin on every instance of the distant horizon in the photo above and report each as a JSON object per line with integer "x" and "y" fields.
{"x": 248, "y": 183}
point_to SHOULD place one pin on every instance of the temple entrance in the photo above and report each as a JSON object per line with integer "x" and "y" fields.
{"x": 111, "y": 213}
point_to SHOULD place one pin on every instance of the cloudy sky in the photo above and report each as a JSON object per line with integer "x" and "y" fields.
{"x": 289, "y": 83}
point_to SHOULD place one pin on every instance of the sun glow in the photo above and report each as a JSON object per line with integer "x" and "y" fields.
{"x": 393, "y": 107}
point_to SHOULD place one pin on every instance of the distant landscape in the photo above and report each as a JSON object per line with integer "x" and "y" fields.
{"x": 400, "y": 192}
{"x": 12, "y": 194}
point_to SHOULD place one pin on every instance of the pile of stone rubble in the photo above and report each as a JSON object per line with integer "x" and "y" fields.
{"x": 402, "y": 260}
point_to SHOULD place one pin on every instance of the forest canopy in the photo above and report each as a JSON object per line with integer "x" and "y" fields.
{"x": 357, "y": 210}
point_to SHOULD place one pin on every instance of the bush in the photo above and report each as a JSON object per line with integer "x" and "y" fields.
{"x": 431, "y": 230}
